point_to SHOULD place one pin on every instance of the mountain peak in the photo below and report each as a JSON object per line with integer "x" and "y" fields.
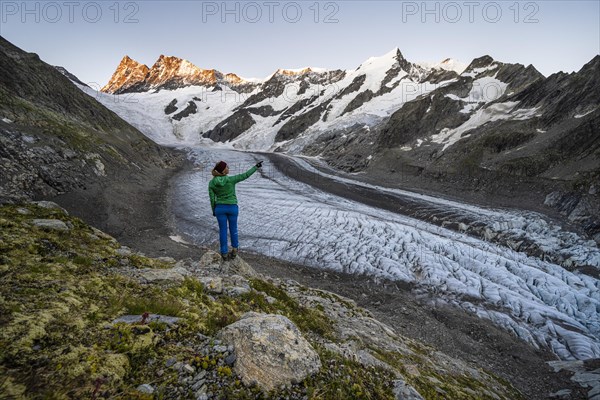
{"x": 128, "y": 73}
{"x": 481, "y": 62}
{"x": 294, "y": 71}
{"x": 447, "y": 64}
{"x": 128, "y": 61}
{"x": 398, "y": 54}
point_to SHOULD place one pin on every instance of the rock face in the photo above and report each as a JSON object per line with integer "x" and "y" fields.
{"x": 405, "y": 392}
{"x": 270, "y": 351}
{"x": 579, "y": 208}
{"x": 190, "y": 109}
{"x": 169, "y": 73}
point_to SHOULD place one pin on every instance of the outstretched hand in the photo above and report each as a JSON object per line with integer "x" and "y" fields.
{"x": 259, "y": 164}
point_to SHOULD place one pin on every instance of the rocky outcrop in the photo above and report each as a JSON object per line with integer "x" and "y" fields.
{"x": 50, "y": 224}
{"x": 190, "y": 109}
{"x": 358, "y": 101}
{"x": 171, "y": 107}
{"x": 232, "y": 127}
{"x": 297, "y": 125}
{"x": 356, "y": 83}
{"x": 263, "y": 111}
{"x": 270, "y": 351}
{"x": 211, "y": 264}
{"x": 580, "y": 208}
{"x": 69, "y": 75}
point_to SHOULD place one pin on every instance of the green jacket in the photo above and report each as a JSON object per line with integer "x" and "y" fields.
{"x": 221, "y": 189}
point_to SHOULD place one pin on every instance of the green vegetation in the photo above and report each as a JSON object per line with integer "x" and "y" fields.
{"x": 59, "y": 294}
{"x": 435, "y": 382}
{"x": 307, "y": 320}
{"x": 61, "y": 290}
{"x": 343, "y": 379}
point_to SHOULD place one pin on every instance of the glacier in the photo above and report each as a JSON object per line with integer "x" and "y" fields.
{"x": 540, "y": 302}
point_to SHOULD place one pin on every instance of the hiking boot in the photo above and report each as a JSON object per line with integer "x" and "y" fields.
{"x": 225, "y": 257}
{"x": 233, "y": 253}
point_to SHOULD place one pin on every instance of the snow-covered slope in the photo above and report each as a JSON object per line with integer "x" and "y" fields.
{"x": 449, "y": 64}
{"x": 146, "y": 111}
{"x": 287, "y": 110}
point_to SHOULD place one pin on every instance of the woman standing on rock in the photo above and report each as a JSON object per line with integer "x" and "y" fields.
{"x": 223, "y": 201}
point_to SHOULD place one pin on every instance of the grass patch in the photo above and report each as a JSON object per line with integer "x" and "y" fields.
{"x": 57, "y": 294}
{"x": 341, "y": 379}
{"x": 307, "y": 320}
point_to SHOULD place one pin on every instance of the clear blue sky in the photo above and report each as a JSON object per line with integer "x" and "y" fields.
{"x": 253, "y": 39}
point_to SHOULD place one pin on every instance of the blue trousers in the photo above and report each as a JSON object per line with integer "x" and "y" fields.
{"x": 227, "y": 214}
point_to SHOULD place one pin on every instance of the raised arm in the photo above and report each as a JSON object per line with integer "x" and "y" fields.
{"x": 243, "y": 176}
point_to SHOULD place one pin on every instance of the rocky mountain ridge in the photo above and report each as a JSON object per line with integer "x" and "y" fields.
{"x": 488, "y": 129}
{"x": 169, "y": 73}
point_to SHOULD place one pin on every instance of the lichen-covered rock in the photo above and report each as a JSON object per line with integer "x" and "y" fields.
{"x": 238, "y": 266}
{"x": 51, "y": 224}
{"x": 212, "y": 261}
{"x": 270, "y": 351}
{"x": 209, "y": 259}
{"x": 403, "y": 391}
{"x": 212, "y": 284}
{"x": 50, "y": 205}
{"x": 171, "y": 275}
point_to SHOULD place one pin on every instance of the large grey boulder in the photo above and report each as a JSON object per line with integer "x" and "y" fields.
{"x": 270, "y": 351}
